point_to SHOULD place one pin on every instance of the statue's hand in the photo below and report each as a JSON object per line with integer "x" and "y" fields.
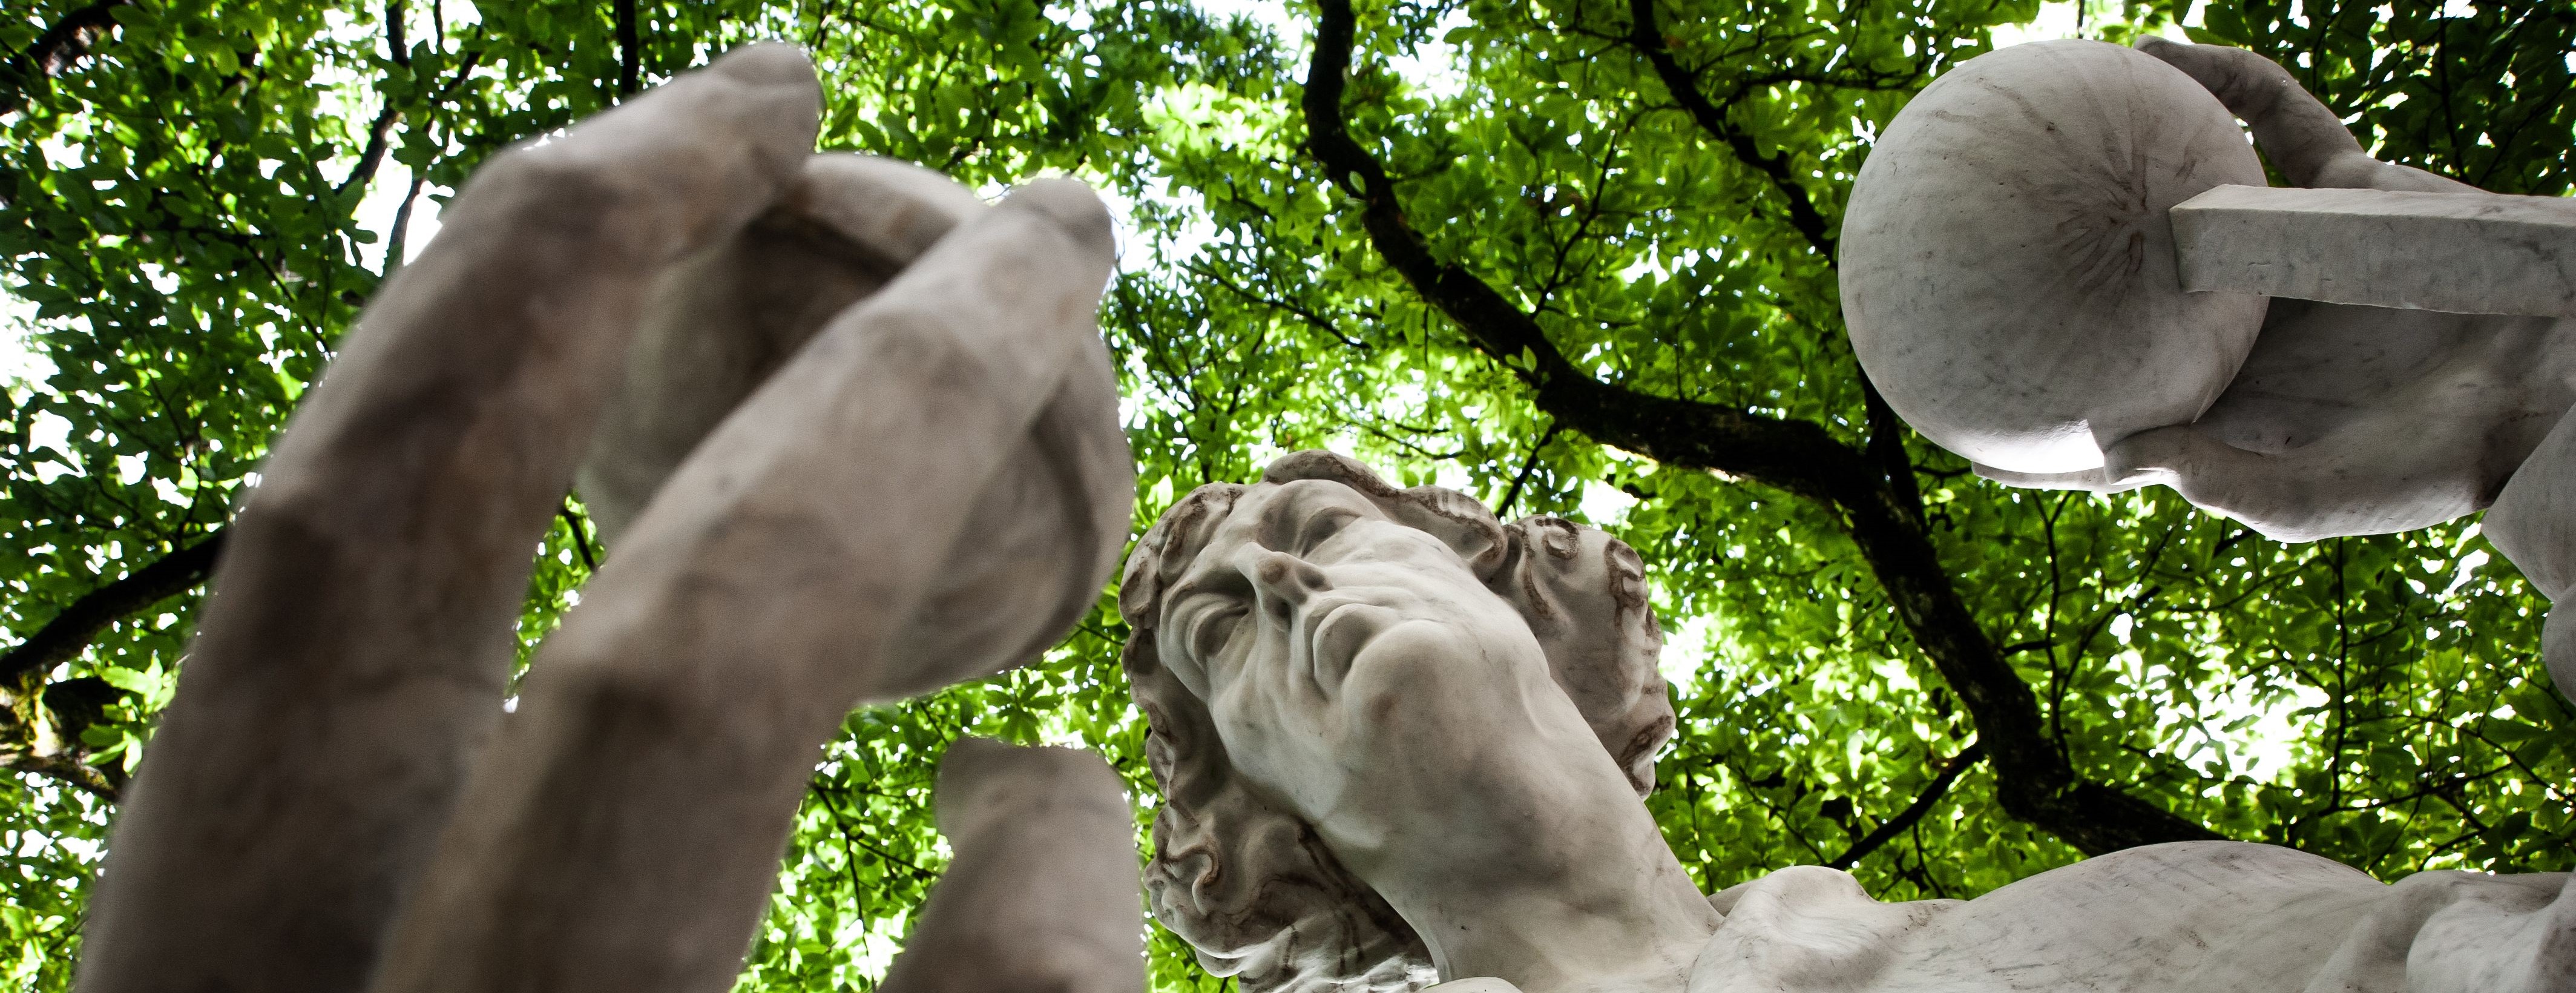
{"x": 835, "y": 493}
{"x": 2348, "y": 419}
{"x": 720, "y": 322}
{"x": 2352, "y": 419}
{"x": 932, "y": 488}
{"x": 2304, "y": 139}
{"x": 359, "y": 636}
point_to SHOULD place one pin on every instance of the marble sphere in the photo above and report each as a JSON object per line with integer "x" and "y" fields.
{"x": 2008, "y": 272}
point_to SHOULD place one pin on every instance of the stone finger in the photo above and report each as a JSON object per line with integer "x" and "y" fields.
{"x": 722, "y": 321}
{"x": 1042, "y": 893}
{"x": 637, "y": 802}
{"x": 355, "y": 648}
{"x": 2350, "y": 482}
{"x": 2300, "y": 135}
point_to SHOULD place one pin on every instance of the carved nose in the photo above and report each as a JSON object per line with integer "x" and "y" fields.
{"x": 1280, "y": 578}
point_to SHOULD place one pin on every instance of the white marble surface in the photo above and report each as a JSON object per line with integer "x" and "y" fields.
{"x": 1040, "y": 891}
{"x": 2335, "y": 418}
{"x": 2464, "y": 252}
{"x": 1372, "y": 766}
{"x": 2007, "y": 269}
{"x": 2193, "y": 917}
{"x": 1367, "y": 759}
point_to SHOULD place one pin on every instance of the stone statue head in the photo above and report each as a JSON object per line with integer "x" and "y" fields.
{"x": 1265, "y": 776}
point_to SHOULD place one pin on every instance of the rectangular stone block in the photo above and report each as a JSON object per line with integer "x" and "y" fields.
{"x": 2467, "y": 253}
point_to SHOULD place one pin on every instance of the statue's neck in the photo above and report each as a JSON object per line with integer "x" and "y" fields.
{"x": 1616, "y": 912}
{"x": 1547, "y": 945}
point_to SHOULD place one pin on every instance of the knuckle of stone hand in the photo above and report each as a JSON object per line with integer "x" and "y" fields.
{"x": 568, "y": 191}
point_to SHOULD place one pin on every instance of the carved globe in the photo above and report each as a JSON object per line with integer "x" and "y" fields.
{"x": 2008, "y": 272}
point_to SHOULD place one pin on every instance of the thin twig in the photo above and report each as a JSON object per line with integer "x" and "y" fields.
{"x": 1504, "y": 510}
{"x": 580, "y": 534}
{"x": 1913, "y": 812}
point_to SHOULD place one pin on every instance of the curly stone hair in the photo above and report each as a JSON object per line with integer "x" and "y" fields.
{"x": 1250, "y": 884}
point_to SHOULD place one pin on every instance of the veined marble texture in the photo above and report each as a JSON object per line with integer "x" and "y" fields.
{"x": 1389, "y": 761}
{"x": 2062, "y": 262}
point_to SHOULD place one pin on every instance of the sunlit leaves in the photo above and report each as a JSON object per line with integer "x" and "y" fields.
{"x": 181, "y": 230}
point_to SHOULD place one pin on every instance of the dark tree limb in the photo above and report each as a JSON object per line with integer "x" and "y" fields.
{"x": 1873, "y": 499}
{"x": 397, "y": 49}
{"x": 77, "y": 625}
{"x": 1648, "y": 40}
{"x": 379, "y": 141}
{"x": 380, "y": 134}
{"x": 54, "y": 51}
{"x": 1913, "y": 812}
{"x": 68, "y": 769}
{"x": 630, "y": 54}
{"x": 1503, "y": 510}
{"x": 396, "y": 242}
{"x": 580, "y": 534}
{"x": 23, "y": 669}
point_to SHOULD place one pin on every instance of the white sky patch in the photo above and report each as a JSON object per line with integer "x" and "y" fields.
{"x": 2078, "y": 19}
{"x": 1687, "y": 649}
{"x": 20, "y": 363}
{"x": 1604, "y": 504}
{"x": 2265, "y": 747}
{"x": 1292, "y": 31}
{"x": 1435, "y": 70}
{"x": 377, "y": 211}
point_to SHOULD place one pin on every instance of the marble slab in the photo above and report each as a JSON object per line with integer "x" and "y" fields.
{"x": 2465, "y": 253}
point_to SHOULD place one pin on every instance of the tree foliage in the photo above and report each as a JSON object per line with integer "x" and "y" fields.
{"x": 1573, "y": 256}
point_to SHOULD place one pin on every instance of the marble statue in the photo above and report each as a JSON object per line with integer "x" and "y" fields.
{"x": 2062, "y": 262}
{"x": 1402, "y": 744}
{"x": 1041, "y": 892}
{"x": 852, "y": 435}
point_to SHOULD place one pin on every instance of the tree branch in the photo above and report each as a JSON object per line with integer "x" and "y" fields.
{"x": 1648, "y": 40}
{"x": 55, "y": 50}
{"x": 1904, "y": 819}
{"x": 1504, "y": 510}
{"x": 69, "y": 769}
{"x": 630, "y": 55}
{"x": 379, "y": 141}
{"x": 396, "y": 242}
{"x": 77, "y": 625}
{"x": 580, "y": 533}
{"x": 1878, "y": 509}
{"x": 380, "y": 134}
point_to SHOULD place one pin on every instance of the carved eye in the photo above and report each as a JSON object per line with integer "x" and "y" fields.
{"x": 1214, "y": 628}
{"x": 1322, "y": 525}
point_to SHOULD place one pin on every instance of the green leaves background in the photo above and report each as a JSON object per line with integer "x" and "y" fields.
{"x": 196, "y": 197}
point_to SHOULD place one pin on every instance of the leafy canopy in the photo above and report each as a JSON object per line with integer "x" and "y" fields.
{"x": 195, "y": 199}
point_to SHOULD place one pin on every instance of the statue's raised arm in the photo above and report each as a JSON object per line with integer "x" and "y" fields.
{"x": 2062, "y": 262}
{"x": 852, "y": 434}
